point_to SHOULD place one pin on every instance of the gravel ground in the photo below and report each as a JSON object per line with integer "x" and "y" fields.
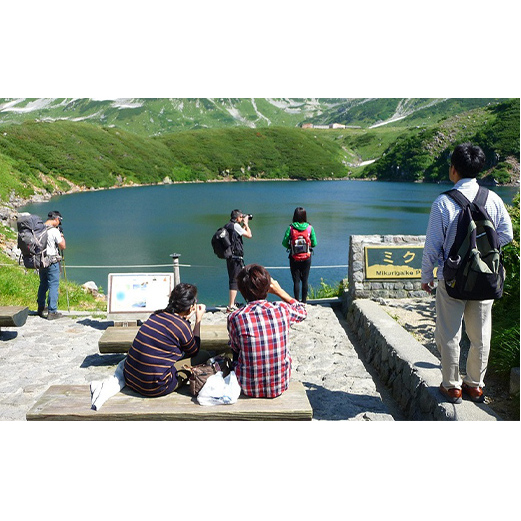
{"x": 418, "y": 317}
{"x": 65, "y": 351}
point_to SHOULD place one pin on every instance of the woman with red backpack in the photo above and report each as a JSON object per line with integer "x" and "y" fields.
{"x": 300, "y": 240}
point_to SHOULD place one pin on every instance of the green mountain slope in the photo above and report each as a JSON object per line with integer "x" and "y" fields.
{"x": 422, "y": 154}
{"x": 157, "y": 116}
{"x": 52, "y": 157}
{"x": 56, "y": 157}
{"x": 398, "y": 111}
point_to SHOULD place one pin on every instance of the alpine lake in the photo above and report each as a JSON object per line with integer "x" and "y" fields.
{"x": 135, "y": 230}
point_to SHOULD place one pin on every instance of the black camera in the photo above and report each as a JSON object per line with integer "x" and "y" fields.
{"x": 249, "y": 215}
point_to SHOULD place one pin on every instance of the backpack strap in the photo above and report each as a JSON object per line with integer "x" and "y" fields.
{"x": 479, "y": 200}
{"x": 481, "y": 197}
{"x": 457, "y": 196}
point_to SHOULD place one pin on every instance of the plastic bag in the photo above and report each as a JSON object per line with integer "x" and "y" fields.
{"x": 220, "y": 391}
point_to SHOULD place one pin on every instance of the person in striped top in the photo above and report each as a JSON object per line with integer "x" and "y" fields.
{"x": 164, "y": 343}
{"x": 259, "y": 334}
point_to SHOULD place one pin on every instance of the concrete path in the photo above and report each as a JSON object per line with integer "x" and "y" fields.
{"x": 65, "y": 351}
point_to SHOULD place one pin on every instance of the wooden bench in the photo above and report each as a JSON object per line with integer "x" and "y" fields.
{"x": 119, "y": 339}
{"x": 72, "y": 402}
{"x": 13, "y": 316}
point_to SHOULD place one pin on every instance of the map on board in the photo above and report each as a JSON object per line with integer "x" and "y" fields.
{"x": 139, "y": 292}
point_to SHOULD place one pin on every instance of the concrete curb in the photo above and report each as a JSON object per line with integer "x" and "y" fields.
{"x": 412, "y": 373}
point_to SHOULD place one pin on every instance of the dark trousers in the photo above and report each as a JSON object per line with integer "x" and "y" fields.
{"x": 300, "y": 274}
{"x": 234, "y": 265}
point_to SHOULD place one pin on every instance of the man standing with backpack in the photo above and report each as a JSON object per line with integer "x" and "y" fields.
{"x": 237, "y": 228}
{"x": 50, "y": 276}
{"x": 463, "y": 241}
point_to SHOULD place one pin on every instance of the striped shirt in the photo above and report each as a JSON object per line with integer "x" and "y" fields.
{"x": 161, "y": 341}
{"x": 259, "y": 334}
{"x": 443, "y": 220}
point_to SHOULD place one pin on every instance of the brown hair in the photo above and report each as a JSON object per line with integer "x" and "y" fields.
{"x": 254, "y": 282}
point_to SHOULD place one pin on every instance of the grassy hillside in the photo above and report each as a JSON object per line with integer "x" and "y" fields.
{"x": 415, "y": 111}
{"x": 422, "y": 154}
{"x": 54, "y": 156}
{"x": 268, "y": 153}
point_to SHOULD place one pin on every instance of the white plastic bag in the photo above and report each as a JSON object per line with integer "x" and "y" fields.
{"x": 220, "y": 391}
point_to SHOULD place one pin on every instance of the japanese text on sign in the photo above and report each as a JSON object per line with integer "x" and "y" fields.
{"x": 393, "y": 262}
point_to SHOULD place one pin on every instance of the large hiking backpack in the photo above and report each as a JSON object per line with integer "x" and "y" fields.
{"x": 221, "y": 243}
{"x": 474, "y": 269}
{"x": 300, "y": 243}
{"x": 32, "y": 241}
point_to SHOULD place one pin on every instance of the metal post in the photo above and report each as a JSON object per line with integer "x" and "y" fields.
{"x": 177, "y": 276}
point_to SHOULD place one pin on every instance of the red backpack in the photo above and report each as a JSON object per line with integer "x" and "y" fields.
{"x": 300, "y": 243}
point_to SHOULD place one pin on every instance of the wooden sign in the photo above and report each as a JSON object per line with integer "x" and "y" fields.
{"x": 393, "y": 262}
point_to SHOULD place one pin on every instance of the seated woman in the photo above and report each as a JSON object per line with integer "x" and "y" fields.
{"x": 163, "y": 344}
{"x": 259, "y": 334}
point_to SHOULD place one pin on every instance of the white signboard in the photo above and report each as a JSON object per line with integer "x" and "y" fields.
{"x": 140, "y": 293}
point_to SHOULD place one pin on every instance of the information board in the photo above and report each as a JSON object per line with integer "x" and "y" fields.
{"x": 139, "y": 293}
{"x": 393, "y": 262}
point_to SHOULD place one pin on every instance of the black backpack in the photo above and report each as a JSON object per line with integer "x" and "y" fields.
{"x": 32, "y": 241}
{"x": 221, "y": 243}
{"x": 474, "y": 269}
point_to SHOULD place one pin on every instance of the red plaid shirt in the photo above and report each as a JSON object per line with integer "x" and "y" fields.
{"x": 259, "y": 334}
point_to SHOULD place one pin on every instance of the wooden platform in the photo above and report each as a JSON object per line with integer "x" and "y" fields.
{"x": 119, "y": 339}
{"x": 72, "y": 402}
{"x": 13, "y": 316}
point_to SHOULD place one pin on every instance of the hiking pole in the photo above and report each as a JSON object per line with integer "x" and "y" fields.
{"x": 66, "y": 282}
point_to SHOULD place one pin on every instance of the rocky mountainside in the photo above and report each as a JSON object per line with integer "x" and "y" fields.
{"x": 155, "y": 116}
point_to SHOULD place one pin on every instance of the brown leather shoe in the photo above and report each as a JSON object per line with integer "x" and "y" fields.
{"x": 453, "y": 395}
{"x": 475, "y": 394}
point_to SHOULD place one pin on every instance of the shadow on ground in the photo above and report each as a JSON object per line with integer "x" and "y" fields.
{"x": 95, "y": 324}
{"x": 340, "y": 405}
{"x": 97, "y": 360}
{"x": 8, "y": 335}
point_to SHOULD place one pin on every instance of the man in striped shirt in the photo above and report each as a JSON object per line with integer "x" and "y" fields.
{"x": 259, "y": 334}
{"x": 466, "y": 163}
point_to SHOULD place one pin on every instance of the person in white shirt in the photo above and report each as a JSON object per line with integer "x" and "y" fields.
{"x": 50, "y": 276}
{"x": 467, "y": 161}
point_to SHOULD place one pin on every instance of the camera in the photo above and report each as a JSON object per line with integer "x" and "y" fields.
{"x": 249, "y": 215}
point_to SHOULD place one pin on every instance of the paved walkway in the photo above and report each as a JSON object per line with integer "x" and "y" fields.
{"x": 65, "y": 351}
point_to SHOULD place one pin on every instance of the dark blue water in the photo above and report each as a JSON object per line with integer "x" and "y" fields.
{"x": 144, "y": 225}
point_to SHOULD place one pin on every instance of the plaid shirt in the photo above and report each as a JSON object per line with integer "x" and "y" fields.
{"x": 259, "y": 335}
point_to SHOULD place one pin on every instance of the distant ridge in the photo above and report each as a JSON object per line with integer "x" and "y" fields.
{"x": 157, "y": 116}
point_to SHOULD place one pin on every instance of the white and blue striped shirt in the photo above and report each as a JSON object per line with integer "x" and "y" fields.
{"x": 443, "y": 221}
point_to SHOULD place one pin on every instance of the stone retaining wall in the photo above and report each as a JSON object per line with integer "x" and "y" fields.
{"x": 360, "y": 287}
{"x": 405, "y": 366}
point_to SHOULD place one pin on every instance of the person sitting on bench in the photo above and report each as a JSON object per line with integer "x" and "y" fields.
{"x": 163, "y": 344}
{"x": 259, "y": 334}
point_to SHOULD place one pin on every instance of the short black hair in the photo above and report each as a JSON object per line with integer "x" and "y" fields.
{"x": 52, "y": 215}
{"x": 235, "y": 215}
{"x": 254, "y": 282}
{"x": 468, "y": 160}
{"x": 300, "y": 215}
